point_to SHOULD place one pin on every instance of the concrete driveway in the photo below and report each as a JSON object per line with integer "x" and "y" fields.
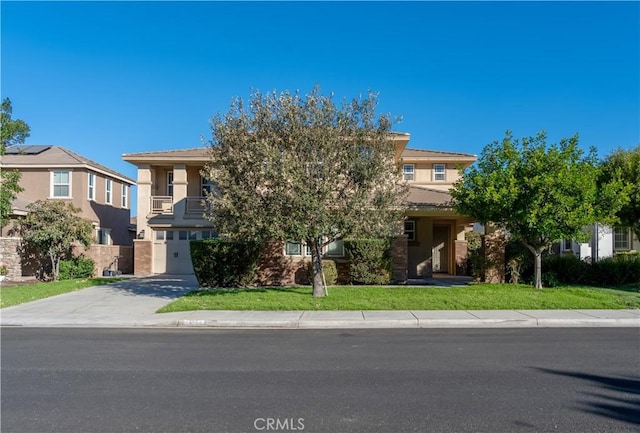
{"x": 125, "y": 303}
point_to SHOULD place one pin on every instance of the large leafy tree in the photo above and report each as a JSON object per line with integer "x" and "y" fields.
{"x": 12, "y": 131}
{"x": 52, "y": 228}
{"x": 299, "y": 167}
{"x": 538, "y": 193}
{"x": 624, "y": 166}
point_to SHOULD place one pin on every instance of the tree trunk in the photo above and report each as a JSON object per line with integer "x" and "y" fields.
{"x": 55, "y": 267}
{"x": 537, "y": 265}
{"x": 316, "y": 267}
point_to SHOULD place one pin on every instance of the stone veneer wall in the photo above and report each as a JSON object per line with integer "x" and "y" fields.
{"x": 400, "y": 254}
{"x": 142, "y": 257}
{"x": 10, "y": 257}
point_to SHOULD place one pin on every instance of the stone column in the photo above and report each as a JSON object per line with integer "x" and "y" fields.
{"x": 400, "y": 254}
{"x": 142, "y": 257}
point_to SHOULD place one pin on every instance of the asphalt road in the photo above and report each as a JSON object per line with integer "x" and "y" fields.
{"x": 422, "y": 380}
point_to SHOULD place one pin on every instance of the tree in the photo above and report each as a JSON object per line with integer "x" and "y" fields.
{"x": 624, "y": 166}
{"x": 293, "y": 167}
{"x": 52, "y": 228}
{"x": 537, "y": 193}
{"x": 11, "y": 132}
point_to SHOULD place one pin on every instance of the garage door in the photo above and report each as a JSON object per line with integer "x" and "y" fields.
{"x": 172, "y": 254}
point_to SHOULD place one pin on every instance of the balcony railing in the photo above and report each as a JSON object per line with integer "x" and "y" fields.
{"x": 194, "y": 206}
{"x": 163, "y": 205}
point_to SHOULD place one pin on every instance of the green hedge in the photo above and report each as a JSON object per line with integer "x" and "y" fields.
{"x": 224, "y": 262}
{"x": 370, "y": 260}
{"x": 79, "y": 267}
{"x": 622, "y": 269}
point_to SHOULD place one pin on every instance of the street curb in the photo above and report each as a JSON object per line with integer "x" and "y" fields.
{"x": 417, "y": 324}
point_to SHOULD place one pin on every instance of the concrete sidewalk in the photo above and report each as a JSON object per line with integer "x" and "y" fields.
{"x": 134, "y": 302}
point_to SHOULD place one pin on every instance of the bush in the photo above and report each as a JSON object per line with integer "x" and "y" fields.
{"x": 79, "y": 267}
{"x": 518, "y": 262}
{"x": 568, "y": 269}
{"x": 330, "y": 272}
{"x": 370, "y": 260}
{"x": 621, "y": 269}
{"x": 550, "y": 279}
{"x": 225, "y": 262}
{"x": 475, "y": 262}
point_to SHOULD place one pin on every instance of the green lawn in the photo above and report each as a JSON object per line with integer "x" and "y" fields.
{"x": 26, "y": 293}
{"x": 473, "y": 297}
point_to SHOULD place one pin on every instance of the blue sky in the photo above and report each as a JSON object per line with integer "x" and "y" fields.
{"x": 107, "y": 78}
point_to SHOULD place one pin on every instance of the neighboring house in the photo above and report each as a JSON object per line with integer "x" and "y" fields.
{"x": 170, "y": 213}
{"x": 604, "y": 241}
{"x": 55, "y": 173}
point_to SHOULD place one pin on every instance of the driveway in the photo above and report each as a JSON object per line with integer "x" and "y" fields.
{"x": 125, "y": 303}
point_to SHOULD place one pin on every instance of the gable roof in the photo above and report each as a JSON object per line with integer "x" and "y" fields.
{"x": 24, "y": 156}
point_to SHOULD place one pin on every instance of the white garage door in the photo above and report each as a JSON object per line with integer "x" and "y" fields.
{"x": 171, "y": 253}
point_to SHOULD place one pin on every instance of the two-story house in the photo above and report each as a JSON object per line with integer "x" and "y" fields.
{"x": 55, "y": 173}
{"x": 170, "y": 212}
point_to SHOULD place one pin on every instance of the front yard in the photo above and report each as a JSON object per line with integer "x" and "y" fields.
{"x": 472, "y": 297}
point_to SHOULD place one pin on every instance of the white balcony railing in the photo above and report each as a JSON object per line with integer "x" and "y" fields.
{"x": 162, "y": 205}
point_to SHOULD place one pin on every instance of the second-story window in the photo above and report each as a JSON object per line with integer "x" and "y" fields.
{"x": 92, "y": 186}
{"x": 61, "y": 184}
{"x": 439, "y": 172}
{"x": 108, "y": 191}
{"x": 207, "y": 186}
{"x": 408, "y": 172}
{"x": 170, "y": 183}
{"x": 125, "y": 196}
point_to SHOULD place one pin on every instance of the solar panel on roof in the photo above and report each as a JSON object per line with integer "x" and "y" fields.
{"x": 30, "y": 149}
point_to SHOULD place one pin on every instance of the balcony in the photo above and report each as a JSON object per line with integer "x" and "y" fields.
{"x": 163, "y": 205}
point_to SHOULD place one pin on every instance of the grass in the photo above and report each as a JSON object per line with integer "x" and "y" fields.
{"x": 472, "y": 297}
{"x": 10, "y": 296}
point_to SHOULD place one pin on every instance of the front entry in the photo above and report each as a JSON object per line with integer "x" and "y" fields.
{"x": 440, "y": 250}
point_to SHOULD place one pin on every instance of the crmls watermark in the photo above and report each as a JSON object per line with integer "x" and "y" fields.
{"x": 278, "y": 424}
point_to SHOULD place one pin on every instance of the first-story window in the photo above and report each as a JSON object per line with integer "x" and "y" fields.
{"x": 566, "y": 244}
{"x": 336, "y": 248}
{"x": 293, "y": 248}
{"x": 408, "y": 171}
{"x": 104, "y": 236}
{"x": 410, "y": 230}
{"x": 621, "y": 238}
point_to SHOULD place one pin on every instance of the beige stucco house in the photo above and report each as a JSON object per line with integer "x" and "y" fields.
{"x": 170, "y": 212}
{"x": 55, "y": 173}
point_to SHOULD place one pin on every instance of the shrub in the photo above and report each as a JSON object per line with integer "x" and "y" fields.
{"x": 518, "y": 262}
{"x": 622, "y": 269}
{"x": 330, "y": 272}
{"x": 370, "y": 260}
{"x": 79, "y": 267}
{"x": 475, "y": 262}
{"x": 568, "y": 269}
{"x": 225, "y": 262}
{"x": 550, "y": 279}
